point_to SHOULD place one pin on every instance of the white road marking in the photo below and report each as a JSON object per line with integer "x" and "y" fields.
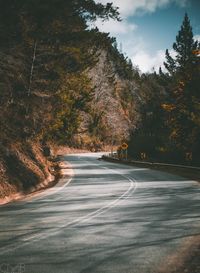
{"x": 50, "y": 191}
{"x": 111, "y": 204}
{"x": 80, "y": 220}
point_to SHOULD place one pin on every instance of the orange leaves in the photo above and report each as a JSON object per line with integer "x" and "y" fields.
{"x": 196, "y": 52}
{"x": 181, "y": 84}
{"x": 168, "y": 107}
{"x": 174, "y": 134}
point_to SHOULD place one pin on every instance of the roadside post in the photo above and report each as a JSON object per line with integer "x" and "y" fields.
{"x": 124, "y": 147}
{"x": 188, "y": 157}
{"x": 143, "y": 155}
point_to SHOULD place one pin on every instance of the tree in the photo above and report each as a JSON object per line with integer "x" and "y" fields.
{"x": 149, "y": 136}
{"x": 51, "y": 40}
{"x": 70, "y": 101}
{"x": 184, "y": 48}
{"x": 183, "y": 86}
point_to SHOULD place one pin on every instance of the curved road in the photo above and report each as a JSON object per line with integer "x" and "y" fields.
{"x": 110, "y": 218}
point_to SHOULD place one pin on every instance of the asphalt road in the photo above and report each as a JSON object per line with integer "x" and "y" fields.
{"x": 110, "y": 218}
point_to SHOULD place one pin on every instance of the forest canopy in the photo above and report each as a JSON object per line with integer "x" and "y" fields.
{"x": 170, "y": 124}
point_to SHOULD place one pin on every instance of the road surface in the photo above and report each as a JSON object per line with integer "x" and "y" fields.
{"x": 109, "y": 218}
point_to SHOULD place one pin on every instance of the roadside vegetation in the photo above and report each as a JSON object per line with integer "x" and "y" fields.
{"x": 61, "y": 83}
{"x": 64, "y": 83}
{"x": 45, "y": 50}
{"x": 169, "y": 129}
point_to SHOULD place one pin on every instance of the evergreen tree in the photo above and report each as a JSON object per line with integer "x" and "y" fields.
{"x": 51, "y": 41}
{"x": 184, "y": 48}
{"x": 183, "y": 86}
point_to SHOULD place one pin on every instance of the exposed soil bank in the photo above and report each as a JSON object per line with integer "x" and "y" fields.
{"x": 25, "y": 169}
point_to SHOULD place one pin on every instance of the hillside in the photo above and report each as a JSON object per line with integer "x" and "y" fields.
{"x": 114, "y": 110}
{"x": 60, "y": 84}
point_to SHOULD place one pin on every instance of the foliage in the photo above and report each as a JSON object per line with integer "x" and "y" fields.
{"x": 73, "y": 98}
{"x": 174, "y": 123}
{"x": 150, "y": 134}
{"x": 184, "y": 87}
{"x": 123, "y": 65}
{"x": 55, "y": 48}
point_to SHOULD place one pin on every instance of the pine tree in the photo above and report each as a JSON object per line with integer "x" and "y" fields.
{"x": 185, "y": 45}
{"x": 170, "y": 64}
{"x": 50, "y": 40}
{"x": 184, "y": 48}
{"x": 184, "y": 93}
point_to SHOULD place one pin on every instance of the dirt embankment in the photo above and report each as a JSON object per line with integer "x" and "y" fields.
{"x": 24, "y": 169}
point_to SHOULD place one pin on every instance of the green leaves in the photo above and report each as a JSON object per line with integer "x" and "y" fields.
{"x": 170, "y": 64}
{"x": 183, "y": 90}
{"x": 183, "y": 47}
{"x": 73, "y": 97}
{"x": 170, "y": 124}
{"x": 54, "y": 75}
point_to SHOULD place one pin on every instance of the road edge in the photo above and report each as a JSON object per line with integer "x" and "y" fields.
{"x": 192, "y": 173}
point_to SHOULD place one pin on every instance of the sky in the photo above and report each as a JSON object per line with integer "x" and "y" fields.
{"x": 149, "y": 27}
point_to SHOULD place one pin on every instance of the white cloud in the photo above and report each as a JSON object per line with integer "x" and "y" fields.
{"x": 115, "y": 27}
{"x": 136, "y": 46}
{"x": 130, "y": 7}
{"x": 197, "y": 38}
{"x": 146, "y": 62}
{"x": 142, "y": 56}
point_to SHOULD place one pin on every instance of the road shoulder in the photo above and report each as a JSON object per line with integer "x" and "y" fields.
{"x": 187, "y": 259}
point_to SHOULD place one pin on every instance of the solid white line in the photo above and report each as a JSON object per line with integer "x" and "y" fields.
{"x": 111, "y": 204}
{"x": 80, "y": 220}
{"x": 49, "y": 191}
{"x": 97, "y": 212}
